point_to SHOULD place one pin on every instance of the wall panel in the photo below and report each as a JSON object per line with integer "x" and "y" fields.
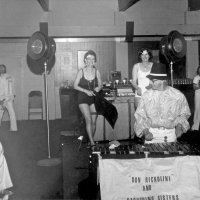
{"x": 66, "y": 65}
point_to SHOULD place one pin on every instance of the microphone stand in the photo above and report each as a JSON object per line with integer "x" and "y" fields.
{"x": 49, "y": 161}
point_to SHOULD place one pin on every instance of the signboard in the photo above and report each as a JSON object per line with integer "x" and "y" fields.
{"x": 173, "y": 178}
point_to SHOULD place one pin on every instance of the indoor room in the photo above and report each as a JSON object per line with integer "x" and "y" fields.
{"x": 77, "y": 122}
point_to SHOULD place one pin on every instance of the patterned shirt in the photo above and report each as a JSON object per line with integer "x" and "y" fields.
{"x": 162, "y": 109}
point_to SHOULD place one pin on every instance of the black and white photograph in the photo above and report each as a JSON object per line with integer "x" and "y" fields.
{"x": 99, "y": 99}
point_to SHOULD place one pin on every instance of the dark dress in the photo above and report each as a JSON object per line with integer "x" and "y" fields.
{"x": 83, "y": 98}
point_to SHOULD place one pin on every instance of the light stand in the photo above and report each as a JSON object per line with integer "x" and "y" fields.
{"x": 48, "y": 162}
{"x": 171, "y": 69}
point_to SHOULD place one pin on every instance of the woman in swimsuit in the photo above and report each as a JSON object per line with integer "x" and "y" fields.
{"x": 88, "y": 80}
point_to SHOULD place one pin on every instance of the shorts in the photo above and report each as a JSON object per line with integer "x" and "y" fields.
{"x": 85, "y": 99}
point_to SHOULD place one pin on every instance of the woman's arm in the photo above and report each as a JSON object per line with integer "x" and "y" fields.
{"x": 135, "y": 76}
{"x": 196, "y": 83}
{"x": 77, "y": 80}
{"x": 135, "y": 79}
{"x": 196, "y": 86}
{"x": 97, "y": 89}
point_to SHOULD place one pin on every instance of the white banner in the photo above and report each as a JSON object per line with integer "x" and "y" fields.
{"x": 173, "y": 178}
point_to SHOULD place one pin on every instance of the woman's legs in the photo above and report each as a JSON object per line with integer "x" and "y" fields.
{"x": 94, "y": 118}
{"x": 85, "y": 110}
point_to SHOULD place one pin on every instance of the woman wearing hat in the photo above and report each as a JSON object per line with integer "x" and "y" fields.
{"x": 163, "y": 112}
{"x": 140, "y": 72}
{"x": 87, "y": 81}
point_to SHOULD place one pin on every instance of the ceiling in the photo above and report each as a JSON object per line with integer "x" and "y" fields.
{"x": 123, "y": 4}
{"x": 44, "y": 4}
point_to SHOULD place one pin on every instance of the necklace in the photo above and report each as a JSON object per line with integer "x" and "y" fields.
{"x": 89, "y": 84}
{"x": 146, "y": 66}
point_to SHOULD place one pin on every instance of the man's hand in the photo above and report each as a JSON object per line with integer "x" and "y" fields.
{"x": 148, "y": 135}
{"x": 149, "y": 86}
{"x": 179, "y": 130}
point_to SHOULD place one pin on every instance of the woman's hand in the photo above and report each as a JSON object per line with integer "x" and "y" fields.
{"x": 97, "y": 89}
{"x": 89, "y": 93}
{"x": 139, "y": 91}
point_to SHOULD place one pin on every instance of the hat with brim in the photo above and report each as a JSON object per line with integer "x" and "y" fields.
{"x": 158, "y": 71}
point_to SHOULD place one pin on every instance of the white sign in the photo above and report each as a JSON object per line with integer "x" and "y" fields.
{"x": 173, "y": 178}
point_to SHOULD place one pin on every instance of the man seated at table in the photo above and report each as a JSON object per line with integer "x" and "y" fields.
{"x": 162, "y": 115}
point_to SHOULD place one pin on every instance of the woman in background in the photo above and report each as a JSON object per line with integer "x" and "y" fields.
{"x": 140, "y": 71}
{"x": 88, "y": 80}
{"x": 196, "y": 86}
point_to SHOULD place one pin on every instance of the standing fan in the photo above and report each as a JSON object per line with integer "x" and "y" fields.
{"x": 41, "y": 59}
{"x": 173, "y": 47}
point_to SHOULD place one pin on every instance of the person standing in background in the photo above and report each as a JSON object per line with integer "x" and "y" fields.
{"x": 139, "y": 73}
{"x": 5, "y": 180}
{"x": 196, "y": 86}
{"x": 7, "y": 95}
{"x": 87, "y": 81}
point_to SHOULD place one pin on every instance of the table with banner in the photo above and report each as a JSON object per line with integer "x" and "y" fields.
{"x": 145, "y": 172}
